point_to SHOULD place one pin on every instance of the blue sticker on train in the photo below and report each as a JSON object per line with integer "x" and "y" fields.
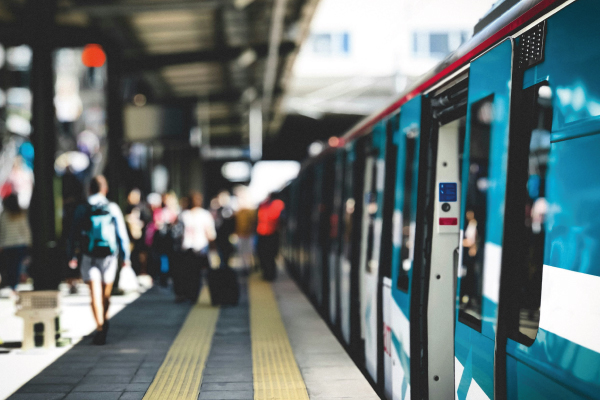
{"x": 448, "y": 192}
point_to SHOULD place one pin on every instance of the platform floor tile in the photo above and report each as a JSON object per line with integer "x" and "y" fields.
{"x": 327, "y": 370}
{"x": 276, "y": 373}
{"x": 180, "y": 374}
{"x": 228, "y": 371}
{"x": 138, "y": 340}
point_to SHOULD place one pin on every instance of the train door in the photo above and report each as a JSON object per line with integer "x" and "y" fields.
{"x": 307, "y": 230}
{"x": 484, "y": 172}
{"x": 351, "y": 251}
{"x": 550, "y": 273}
{"x": 336, "y": 237}
{"x": 316, "y": 251}
{"x": 407, "y": 140}
{"x": 348, "y": 210}
{"x": 325, "y": 240}
{"x": 371, "y": 245}
{"x": 384, "y": 305}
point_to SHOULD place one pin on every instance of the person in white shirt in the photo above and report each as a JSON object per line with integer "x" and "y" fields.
{"x": 199, "y": 231}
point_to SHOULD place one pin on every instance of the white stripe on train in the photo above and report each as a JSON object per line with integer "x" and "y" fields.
{"x": 570, "y": 306}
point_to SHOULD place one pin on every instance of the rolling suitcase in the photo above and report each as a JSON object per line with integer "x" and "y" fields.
{"x": 224, "y": 287}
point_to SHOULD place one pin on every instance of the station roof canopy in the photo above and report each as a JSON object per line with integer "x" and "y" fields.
{"x": 223, "y": 54}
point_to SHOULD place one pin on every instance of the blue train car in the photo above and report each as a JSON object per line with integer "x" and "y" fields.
{"x": 463, "y": 233}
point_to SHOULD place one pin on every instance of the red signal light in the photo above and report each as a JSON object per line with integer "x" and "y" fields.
{"x": 93, "y": 55}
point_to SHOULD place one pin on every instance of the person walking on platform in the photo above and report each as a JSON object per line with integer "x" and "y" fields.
{"x": 198, "y": 231}
{"x": 100, "y": 234}
{"x": 269, "y": 213}
{"x": 245, "y": 227}
{"x": 225, "y": 224}
{"x": 15, "y": 240}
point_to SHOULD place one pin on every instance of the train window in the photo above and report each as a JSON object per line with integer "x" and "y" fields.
{"x": 538, "y": 117}
{"x": 470, "y": 298}
{"x": 348, "y": 210}
{"x": 371, "y": 207}
{"x": 408, "y": 228}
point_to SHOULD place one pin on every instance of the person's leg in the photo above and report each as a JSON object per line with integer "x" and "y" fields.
{"x": 92, "y": 276}
{"x": 260, "y": 247}
{"x": 109, "y": 274}
{"x": 245, "y": 252}
{"x": 200, "y": 265}
{"x": 96, "y": 293}
{"x": 106, "y": 291}
{"x": 271, "y": 250}
{"x": 11, "y": 258}
{"x": 178, "y": 275}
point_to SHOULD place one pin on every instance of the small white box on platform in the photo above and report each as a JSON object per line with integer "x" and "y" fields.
{"x": 38, "y": 307}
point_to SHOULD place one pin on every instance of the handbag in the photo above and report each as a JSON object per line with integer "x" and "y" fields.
{"x": 128, "y": 280}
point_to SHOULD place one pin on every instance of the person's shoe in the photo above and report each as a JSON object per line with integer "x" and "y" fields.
{"x": 105, "y": 327}
{"x": 100, "y": 338}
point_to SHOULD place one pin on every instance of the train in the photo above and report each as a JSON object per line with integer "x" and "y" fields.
{"x": 452, "y": 240}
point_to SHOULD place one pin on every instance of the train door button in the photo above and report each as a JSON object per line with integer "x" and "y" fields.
{"x": 445, "y": 207}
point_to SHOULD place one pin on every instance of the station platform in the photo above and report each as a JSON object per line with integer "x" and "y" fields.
{"x": 273, "y": 345}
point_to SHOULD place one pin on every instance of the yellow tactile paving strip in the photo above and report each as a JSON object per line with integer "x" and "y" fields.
{"x": 276, "y": 374}
{"x": 180, "y": 374}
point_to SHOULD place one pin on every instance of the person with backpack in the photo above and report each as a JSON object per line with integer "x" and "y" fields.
{"x": 100, "y": 234}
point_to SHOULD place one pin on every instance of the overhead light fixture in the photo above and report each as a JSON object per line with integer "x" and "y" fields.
{"x": 241, "y": 4}
{"x": 247, "y": 58}
{"x": 315, "y": 148}
{"x": 249, "y": 95}
{"x": 236, "y": 171}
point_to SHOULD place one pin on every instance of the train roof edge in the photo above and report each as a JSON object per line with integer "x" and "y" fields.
{"x": 502, "y": 26}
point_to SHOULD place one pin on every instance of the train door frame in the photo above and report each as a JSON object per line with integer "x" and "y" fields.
{"x": 404, "y": 293}
{"x": 384, "y": 296}
{"x": 358, "y": 169}
{"x": 336, "y": 236}
{"x": 439, "y": 106}
{"x": 371, "y": 239}
{"x": 325, "y": 240}
{"x": 439, "y": 239}
{"x": 316, "y": 250}
{"x": 347, "y": 252}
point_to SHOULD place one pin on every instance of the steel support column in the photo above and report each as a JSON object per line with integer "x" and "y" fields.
{"x": 114, "y": 116}
{"x": 46, "y": 265}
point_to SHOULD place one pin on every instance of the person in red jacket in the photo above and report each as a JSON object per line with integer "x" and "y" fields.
{"x": 269, "y": 213}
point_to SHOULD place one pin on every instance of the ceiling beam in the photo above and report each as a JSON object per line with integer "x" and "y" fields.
{"x": 119, "y": 9}
{"x": 271, "y": 70}
{"x": 230, "y": 96}
{"x": 133, "y": 64}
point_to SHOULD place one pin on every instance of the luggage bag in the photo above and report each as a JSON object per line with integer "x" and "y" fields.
{"x": 224, "y": 287}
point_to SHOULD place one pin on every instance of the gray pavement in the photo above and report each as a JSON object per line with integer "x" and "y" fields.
{"x": 138, "y": 341}
{"x": 228, "y": 370}
{"x": 143, "y": 332}
{"x": 328, "y": 371}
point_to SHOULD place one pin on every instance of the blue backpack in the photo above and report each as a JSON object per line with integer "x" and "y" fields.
{"x": 101, "y": 232}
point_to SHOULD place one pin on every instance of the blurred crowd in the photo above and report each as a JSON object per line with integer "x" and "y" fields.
{"x": 171, "y": 240}
{"x": 174, "y": 239}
